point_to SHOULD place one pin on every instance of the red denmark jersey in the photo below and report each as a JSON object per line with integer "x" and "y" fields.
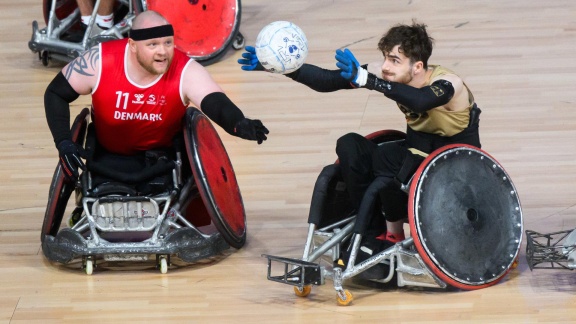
{"x": 130, "y": 118}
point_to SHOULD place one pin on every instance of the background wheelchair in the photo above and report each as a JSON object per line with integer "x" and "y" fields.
{"x": 205, "y": 30}
{"x": 185, "y": 204}
{"x": 465, "y": 224}
{"x": 556, "y": 250}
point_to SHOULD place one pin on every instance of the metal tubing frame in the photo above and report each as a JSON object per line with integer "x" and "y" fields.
{"x": 48, "y": 39}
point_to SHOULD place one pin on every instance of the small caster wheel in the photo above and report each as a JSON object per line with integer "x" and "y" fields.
{"x": 75, "y": 216}
{"x": 88, "y": 265}
{"x": 238, "y": 42}
{"x": 344, "y": 298}
{"x": 45, "y": 57}
{"x": 305, "y": 291}
{"x": 515, "y": 263}
{"x": 163, "y": 264}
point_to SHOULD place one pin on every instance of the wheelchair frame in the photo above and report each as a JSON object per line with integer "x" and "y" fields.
{"x": 48, "y": 42}
{"x": 556, "y": 250}
{"x": 157, "y": 220}
{"x": 413, "y": 263}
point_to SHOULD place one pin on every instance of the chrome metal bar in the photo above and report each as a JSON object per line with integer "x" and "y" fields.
{"x": 336, "y": 239}
{"x": 337, "y": 224}
{"x": 308, "y": 244}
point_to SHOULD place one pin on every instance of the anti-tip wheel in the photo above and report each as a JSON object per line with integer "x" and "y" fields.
{"x": 305, "y": 291}
{"x": 163, "y": 265}
{"x": 238, "y": 42}
{"x": 344, "y": 300}
{"x": 515, "y": 263}
{"x": 89, "y": 267}
{"x": 45, "y": 57}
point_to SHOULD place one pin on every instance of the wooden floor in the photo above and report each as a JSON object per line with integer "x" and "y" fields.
{"x": 519, "y": 59}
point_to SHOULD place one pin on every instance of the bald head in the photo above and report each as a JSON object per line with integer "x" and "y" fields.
{"x": 148, "y": 19}
{"x": 151, "y": 43}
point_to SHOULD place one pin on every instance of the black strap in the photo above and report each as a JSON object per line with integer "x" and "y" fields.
{"x": 163, "y": 166}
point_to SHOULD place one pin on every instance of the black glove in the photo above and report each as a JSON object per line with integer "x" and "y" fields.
{"x": 252, "y": 130}
{"x": 70, "y": 159}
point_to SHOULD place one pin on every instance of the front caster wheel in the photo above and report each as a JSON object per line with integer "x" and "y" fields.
{"x": 344, "y": 298}
{"x": 162, "y": 263}
{"x": 305, "y": 291}
{"x": 88, "y": 265}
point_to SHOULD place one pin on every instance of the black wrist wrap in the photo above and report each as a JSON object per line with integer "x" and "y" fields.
{"x": 218, "y": 107}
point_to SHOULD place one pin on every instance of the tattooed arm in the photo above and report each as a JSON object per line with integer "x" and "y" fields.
{"x": 76, "y": 78}
{"x": 82, "y": 72}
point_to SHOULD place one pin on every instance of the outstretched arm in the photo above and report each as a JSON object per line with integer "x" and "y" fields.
{"x": 314, "y": 77}
{"x": 418, "y": 100}
{"x": 201, "y": 90}
{"x": 320, "y": 79}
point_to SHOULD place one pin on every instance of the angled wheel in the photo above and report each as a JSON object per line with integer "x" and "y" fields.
{"x": 215, "y": 178}
{"x": 465, "y": 217}
{"x": 205, "y": 29}
{"x": 386, "y": 135}
{"x": 61, "y": 188}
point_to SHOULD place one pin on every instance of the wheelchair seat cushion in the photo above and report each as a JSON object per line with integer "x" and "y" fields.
{"x": 113, "y": 188}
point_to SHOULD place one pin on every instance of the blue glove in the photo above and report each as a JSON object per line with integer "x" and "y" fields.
{"x": 350, "y": 68}
{"x": 250, "y": 60}
{"x": 348, "y": 64}
{"x": 70, "y": 159}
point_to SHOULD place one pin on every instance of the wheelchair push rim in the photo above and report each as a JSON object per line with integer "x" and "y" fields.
{"x": 215, "y": 178}
{"x": 60, "y": 188}
{"x": 465, "y": 217}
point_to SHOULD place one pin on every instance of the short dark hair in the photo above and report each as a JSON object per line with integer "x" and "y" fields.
{"x": 413, "y": 40}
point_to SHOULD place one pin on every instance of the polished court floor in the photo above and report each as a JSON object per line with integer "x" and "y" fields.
{"x": 518, "y": 58}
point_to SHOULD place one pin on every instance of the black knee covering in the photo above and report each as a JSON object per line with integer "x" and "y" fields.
{"x": 394, "y": 203}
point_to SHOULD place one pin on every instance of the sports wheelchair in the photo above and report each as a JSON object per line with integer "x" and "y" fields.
{"x": 465, "y": 223}
{"x": 185, "y": 204}
{"x": 556, "y": 250}
{"x": 204, "y": 30}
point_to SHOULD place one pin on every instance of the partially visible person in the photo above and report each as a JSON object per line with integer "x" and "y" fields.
{"x": 438, "y": 106}
{"x": 104, "y": 16}
{"x": 140, "y": 87}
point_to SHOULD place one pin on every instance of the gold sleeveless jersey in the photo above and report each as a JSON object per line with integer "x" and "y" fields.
{"x": 439, "y": 121}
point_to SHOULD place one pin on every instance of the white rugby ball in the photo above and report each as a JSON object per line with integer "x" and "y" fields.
{"x": 281, "y": 47}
